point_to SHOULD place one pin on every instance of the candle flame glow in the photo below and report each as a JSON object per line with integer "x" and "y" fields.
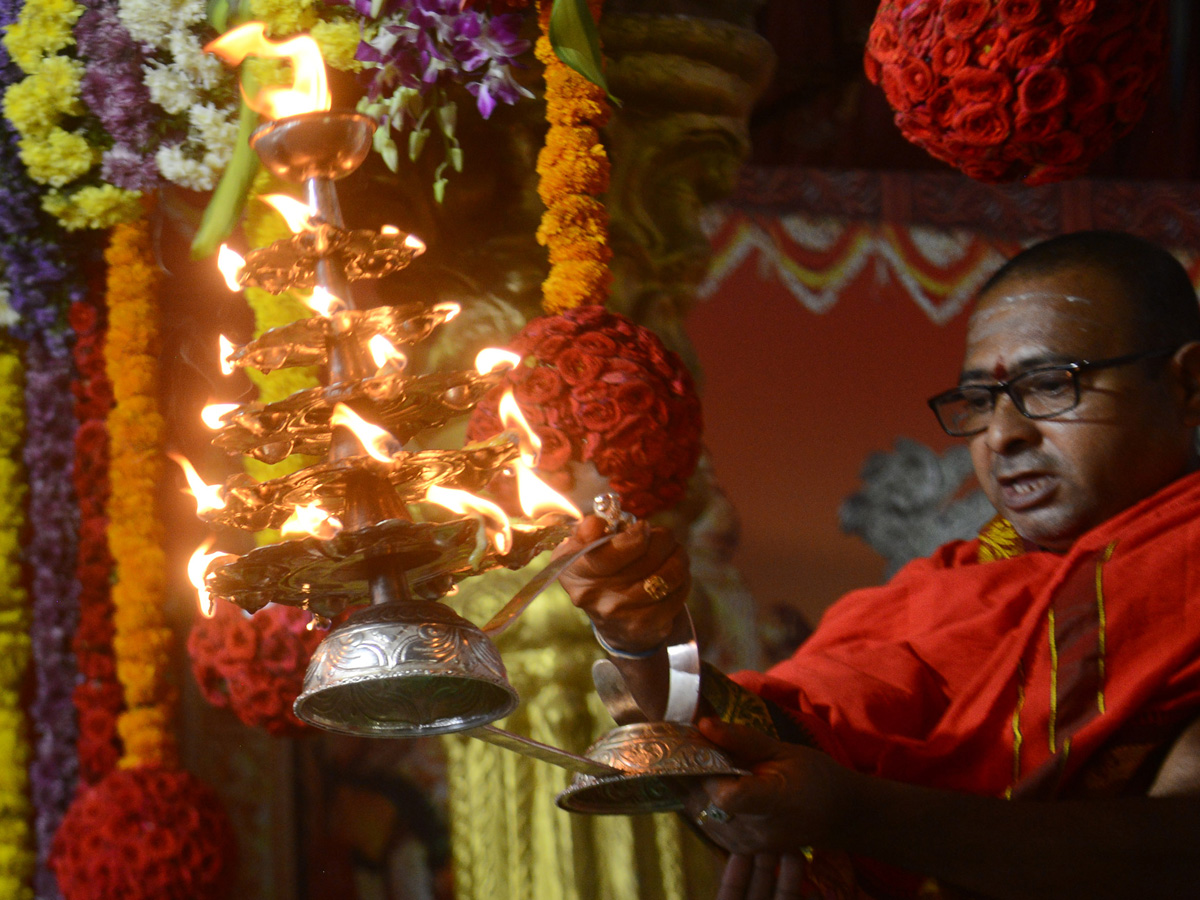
{"x": 498, "y": 526}
{"x": 197, "y": 568}
{"x": 322, "y": 302}
{"x": 514, "y": 421}
{"x": 309, "y": 91}
{"x": 489, "y": 359}
{"x": 539, "y": 499}
{"x": 379, "y": 443}
{"x": 296, "y": 213}
{"x": 211, "y": 414}
{"x": 225, "y": 348}
{"x": 311, "y": 520}
{"x": 231, "y": 263}
{"x": 208, "y": 496}
{"x": 384, "y": 353}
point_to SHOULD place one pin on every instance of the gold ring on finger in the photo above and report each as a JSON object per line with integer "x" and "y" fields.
{"x": 655, "y": 587}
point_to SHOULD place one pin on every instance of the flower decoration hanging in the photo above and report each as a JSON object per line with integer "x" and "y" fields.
{"x": 145, "y": 834}
{"x": 414, "y": 51}
{"x": 254, "y": 665}
{"x": 1017, "y": 89}
{"x": 573, "y": 172}
{"x": 599, "y": 388}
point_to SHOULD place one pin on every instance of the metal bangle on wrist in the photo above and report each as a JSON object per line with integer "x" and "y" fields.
{"x": 625, "y": 654}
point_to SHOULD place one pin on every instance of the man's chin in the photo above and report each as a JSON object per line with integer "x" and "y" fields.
{"x": 1043, "y": 529}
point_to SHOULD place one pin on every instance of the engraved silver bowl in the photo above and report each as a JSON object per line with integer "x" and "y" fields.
{"x": 656, "y": 760}
{"x": 405, "y": 669}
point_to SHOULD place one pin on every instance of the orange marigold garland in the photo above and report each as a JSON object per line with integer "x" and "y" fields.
{"x": 573, "y": 169}
{"x": 142, "y": 643}
{"x": 148, "y": 830}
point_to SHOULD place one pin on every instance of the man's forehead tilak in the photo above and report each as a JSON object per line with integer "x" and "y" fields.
{"x": 1043, "y": 314}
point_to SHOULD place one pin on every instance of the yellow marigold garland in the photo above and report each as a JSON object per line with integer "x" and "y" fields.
{"x": 573, "y": 170}
{"x": 17, "y": 857}
{"x": 142, "y": 642}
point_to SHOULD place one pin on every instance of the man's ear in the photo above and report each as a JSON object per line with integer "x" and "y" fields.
{"x": 1187, "y": 363}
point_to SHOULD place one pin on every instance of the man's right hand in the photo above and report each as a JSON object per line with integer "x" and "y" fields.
{"x": 633, "y": 587}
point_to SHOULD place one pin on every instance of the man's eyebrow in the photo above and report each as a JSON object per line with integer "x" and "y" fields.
{"x": 1024, "y": 364}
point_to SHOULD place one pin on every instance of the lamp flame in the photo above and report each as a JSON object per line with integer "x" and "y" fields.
{"x": 447, "y": 309}
{"x": 310, "y": 519}
{"x": 208, "y": 496}
{"x": 322, "y": 302}
{"x": 225, "y": 349}
{"x": 489, "y": 359}
{"x": 231, "y": 263}
{"x": 296, "y": 213}
{"x": 498, "y": 526}
{"x": 309, "y": 91}
{"x": 536, "y": 497}
{"x": 539, "y": 499}
{"x": 379, "y": 443}
{"x": 386, "y": 355}
{"x": 514, "y": 421}
{"x": 197, "y": 568}
{"x": 211, "y": 414}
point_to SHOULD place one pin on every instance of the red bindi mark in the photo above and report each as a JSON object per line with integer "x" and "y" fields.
{"x": 999, "y": 370}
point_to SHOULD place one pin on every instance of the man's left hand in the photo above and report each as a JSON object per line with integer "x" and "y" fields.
{"x": 795, "y": 797}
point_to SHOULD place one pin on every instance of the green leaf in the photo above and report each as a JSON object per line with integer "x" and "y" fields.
{"x": 218, "y": 14}
{"x": 229, "y": 199}
{"x": 576, "y": 41}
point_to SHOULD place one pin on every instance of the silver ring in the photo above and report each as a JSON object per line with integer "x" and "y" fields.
{"x": 713, "y": 813}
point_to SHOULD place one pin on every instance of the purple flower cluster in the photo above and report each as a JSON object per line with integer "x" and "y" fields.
{"x": 113, "y": 90}
{"x": 51, "y": 552}
{"x": 43, "y": 282}
{"x": 423, "y": 43}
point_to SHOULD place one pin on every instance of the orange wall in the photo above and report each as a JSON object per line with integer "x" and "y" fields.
{"x": 795, "y": 401}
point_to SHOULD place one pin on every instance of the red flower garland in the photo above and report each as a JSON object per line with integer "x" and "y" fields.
{"x": 254, "y": 664}
{"x": 597, "y": 387}
{"x": 149, "y": 833}
{"x": 98, "y": 697}
{"x": 1017, "y": 89}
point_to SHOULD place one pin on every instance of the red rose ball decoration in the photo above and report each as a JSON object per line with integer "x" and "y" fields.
{"x": 254, "y": 664}
{"x": 147, "y": 833}
{"x": 1017, "y": 89}
{"x": 597, "y": 387}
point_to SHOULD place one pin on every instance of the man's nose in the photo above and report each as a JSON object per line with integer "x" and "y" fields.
{"x": 1009, "y": 429}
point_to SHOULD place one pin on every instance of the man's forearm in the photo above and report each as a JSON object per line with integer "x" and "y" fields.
{"x": 1134, "y": 848}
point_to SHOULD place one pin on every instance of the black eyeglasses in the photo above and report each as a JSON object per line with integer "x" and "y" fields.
{"x": 1040, "y": 393}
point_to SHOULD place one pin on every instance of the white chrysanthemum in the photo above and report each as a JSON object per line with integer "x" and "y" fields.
{"x": 8, "y": 316}
{"x": 169, "y": 87}
{"x": 152, "y": 21}
{"x": 211, "y": 126}
{"x": 216, "y": 159}
{"x": 179, "y": 168}
{"x": 203, "y": 70}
